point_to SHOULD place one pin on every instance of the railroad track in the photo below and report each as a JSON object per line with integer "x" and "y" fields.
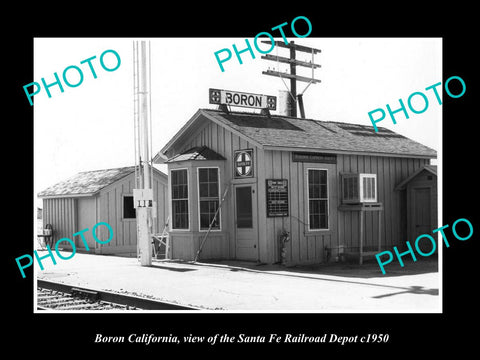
{"x": 56, "y": 296}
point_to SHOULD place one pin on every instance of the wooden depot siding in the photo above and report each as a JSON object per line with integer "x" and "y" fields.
{"x": 304, "y": 246}
{"x": 390, "y": 171}
{"x": 62, "y": 214}
{"x": 72, "y": 213}
{"x": 390, "y": 156}
{"x": 309, "y": 246}
{"x": 220, "y": 245}
{"x": 125, "y": 230}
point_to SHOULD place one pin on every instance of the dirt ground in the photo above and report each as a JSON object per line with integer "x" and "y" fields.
{"x": 368, "y": 269}
{"x": 243, "y": 286}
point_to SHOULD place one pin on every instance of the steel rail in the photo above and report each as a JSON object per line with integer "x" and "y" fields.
{"x": 121, "y": 299}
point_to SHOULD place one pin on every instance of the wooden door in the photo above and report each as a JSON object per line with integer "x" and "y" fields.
{"x": 246, "y": 234}
{"x": 421, "y": 217}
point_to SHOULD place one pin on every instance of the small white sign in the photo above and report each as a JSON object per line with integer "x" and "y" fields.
{"x": 142, "y": 198}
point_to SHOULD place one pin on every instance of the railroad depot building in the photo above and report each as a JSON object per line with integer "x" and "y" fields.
{"x": 105, "y": 195}
{"x": 338, "y": 189}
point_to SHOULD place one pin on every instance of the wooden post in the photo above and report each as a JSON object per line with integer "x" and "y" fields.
{"x": 293, "y": 81}
{"x": 300, "y": 105}
{"x": 143, "y": 214}
{"x": 361, "y": 236}
{"x": 379, "y": 230}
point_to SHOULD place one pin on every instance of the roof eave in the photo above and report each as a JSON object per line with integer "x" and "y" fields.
{"x": 161, "y": 154}
{"x": 348, "y": 152}
{"x": 60, "y": 196}
{"x": 402, "y": 185}
{"x": 160, "y": 157}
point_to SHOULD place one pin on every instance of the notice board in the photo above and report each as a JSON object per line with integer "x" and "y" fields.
{"x": 277, "y": 197}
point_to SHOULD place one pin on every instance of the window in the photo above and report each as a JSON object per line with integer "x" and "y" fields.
{"x": 350, "y": 189}
{"x": 209, "y": 198}
{"x": 179, "y": 183}
{"x": 244, "y": 207}
{"x": 368, "y": 191}
{"x": 129, "y": 211}
{"x": 317, "y": 199}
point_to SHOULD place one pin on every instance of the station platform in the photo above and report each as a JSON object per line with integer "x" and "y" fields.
{"x": 250, "y": 287}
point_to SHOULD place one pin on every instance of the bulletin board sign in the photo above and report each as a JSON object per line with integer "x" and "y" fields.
{"x": 277, "y": 197}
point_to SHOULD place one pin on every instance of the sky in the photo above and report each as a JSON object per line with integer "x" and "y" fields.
{"x": 90, "y": 127}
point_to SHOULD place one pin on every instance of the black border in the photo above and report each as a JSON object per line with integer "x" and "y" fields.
{"x": 410, "y": 334}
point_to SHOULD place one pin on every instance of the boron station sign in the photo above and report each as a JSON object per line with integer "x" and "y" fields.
{"x": 236, "y": 98}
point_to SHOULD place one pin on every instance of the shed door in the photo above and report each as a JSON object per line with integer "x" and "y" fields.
{"x": 422, "y": 216}
{"x": 86, "y": 219}
{"x": 246, "y": 236}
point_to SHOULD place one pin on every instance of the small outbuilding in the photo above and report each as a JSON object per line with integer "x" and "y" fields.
{"x": 287, "y": 189}
{"x": 96, "y": 196}
{"x": 420, "y": 189}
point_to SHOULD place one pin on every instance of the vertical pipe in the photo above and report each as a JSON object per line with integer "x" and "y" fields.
{"x": 150, "y": 114}
{"x": 300, "y": 105}
{"x": 143, "y": 92}
{"x": 144, "y": 213}
{"x": 135, "y": 111}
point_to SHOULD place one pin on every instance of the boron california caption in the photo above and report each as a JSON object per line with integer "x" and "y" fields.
{"x": 243, "y": 338}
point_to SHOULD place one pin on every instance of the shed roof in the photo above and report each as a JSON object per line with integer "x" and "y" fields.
{"x": 276, "y": 132}
{"x": 432, "y": 169}
{"x": 196, "y": 153}
{"x": 87, "y": 183}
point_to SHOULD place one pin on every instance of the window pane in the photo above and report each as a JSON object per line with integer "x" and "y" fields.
{"x": 311, "y": 176}
{"x": 208, "y": 209}
{"x": 322, "y": 177}
{"x": 202, "y": 175}
{"x": 365, "y": 187}
{"x": 351, "y": 187}
{"x": 180, "y": 214}
{"x": 213, "y": 175}
{"x": 213, "y": 189}
{"x": 373, "y": 188}
{"x": 203, "y": 190}
{"x": 203, "y": 207}
{"x": 323, "y": 191}
{"x": 243, "y": 197}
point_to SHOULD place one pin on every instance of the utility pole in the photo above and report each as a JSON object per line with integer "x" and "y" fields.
{"x": 292, "y": 60}
{"x": 143, "y": 193}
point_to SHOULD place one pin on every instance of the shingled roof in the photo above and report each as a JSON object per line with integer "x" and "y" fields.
{"x": 196, "y": 153}
{"x": 87, "y": 183}
{"x": 276, "y": 132}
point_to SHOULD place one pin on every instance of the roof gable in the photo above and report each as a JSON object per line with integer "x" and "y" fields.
{"x": 291, "y": 133}
{"x": 432, "y": 169}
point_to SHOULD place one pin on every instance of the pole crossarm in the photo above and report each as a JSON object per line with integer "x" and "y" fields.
{"x": 290, "y": 61}
{"x": 290, "y": 76}
{"x": 292, "y": 45}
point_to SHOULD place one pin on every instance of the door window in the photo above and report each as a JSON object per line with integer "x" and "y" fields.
{"x": 244, "y": 207}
